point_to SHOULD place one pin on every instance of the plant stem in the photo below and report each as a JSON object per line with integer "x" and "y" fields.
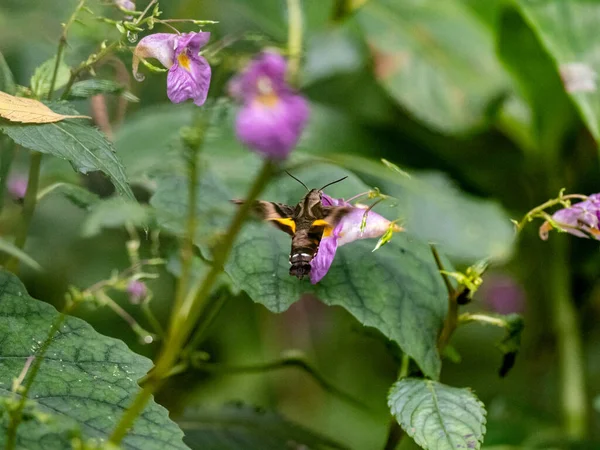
{"x": 451, "y": 320}
{"x": 187, "y": 248}
{"x": 294, "y": 359}
{"x": 16, "y": 415}
{"x": 212, "y": 310}
{"x": 570, "y": 353}
{"x": 191, "y": 308}
{"x": 28, "y": 207}
{"x": 86, "y": 65}
{"x": 294, "y": 40}
{"x": 61, "y": 46}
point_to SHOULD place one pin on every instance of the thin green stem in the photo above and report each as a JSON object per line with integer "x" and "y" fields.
{"x": 539, "y": 209}
{"x": 481, "y": 318}
{"x": 212, "y": 311}
{"x": 293, "y": 360}
{"x": 568, "y": 336}
{"x": 16, "y": 415}
{"x": 189, "y": 312}
{"x": 187, "y": 248}
{"x": 28, "y": 207}
{"x": 294, "y": 40}
{"x": 451, "y": 321}
{"x": 86, "y": 65}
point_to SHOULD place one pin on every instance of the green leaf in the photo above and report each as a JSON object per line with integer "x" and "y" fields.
{"x": 88, "y": 88}
{"x": 7, "y": 81}
{"x": 244, "y": 427}
{"x": 116, "y": 212}
{"x": 435, "y": 58}
{"x": 436, "y": 416}
{"x": 537, "y": 82}
{"x": 597, "y": 403}
{"x": 84, "y": 146}
{"x": 431, "y": 207}
{"x": 42, "y": 77}
{"x": 569, "y": 33}
{"x": 145, "y": 139}
{"x": 12, "y": 250}
{"x": 397, "y": 289}
{"x": 86, "y": 379}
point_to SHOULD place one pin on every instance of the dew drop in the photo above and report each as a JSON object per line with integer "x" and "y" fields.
{"x": 132, "y": 37}
{"x": 148, "y": 339}
{"x": 139, "y": 77}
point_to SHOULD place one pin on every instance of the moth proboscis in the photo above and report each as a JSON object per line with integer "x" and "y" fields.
{"x": 307, "y": 223}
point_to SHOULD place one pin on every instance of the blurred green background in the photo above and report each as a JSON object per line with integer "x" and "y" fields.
{"x": 466, "y": 95}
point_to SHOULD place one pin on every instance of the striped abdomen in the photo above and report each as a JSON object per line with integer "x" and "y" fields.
{"x": 305, "y": 245}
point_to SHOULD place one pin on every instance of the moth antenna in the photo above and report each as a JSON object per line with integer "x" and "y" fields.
{"x": 333, "y": 182}
{"x": 306, "y": 187}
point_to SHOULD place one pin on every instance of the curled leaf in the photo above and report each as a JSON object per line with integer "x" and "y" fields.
{"x": 27, "y": 110}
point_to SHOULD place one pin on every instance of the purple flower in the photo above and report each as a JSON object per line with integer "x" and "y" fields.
{"x": 17, "y": 186}
{"x": 137, "y": 291}
{"x": 189, "y": 74}
{"x": 346, "y": 231}
{"x": 502, "y": 294}
{"x": 273, "y": 115}
{"x": 581, "y": 219}
{"x": 126, "y": 4}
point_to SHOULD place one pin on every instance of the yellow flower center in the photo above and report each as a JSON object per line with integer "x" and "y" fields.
{"x": 266, "y": 95}
{"x": 184, "y": 61}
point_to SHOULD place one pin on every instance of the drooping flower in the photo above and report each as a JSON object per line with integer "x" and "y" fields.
{"x": 346, "y": 231}
{"x": 581, "y": 219}
{"x": 17, "y": 186}
{"x": 273, "y": 115}
{"x": 137, "y": 291}
{"x": 189, "y": 74}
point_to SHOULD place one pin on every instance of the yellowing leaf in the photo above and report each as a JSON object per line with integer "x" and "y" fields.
{"x": 26, "y": 110}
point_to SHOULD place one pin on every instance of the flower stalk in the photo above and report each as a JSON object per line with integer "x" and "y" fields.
{"x": 294, "y": 40}
{"x": 187, "y": 315}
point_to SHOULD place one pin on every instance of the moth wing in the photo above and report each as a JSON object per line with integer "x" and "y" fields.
{"x": 331, "y": 217}
{"x": 279, "y": 214}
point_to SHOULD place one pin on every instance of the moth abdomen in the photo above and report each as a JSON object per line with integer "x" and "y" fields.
{"x": 300, "y": 264}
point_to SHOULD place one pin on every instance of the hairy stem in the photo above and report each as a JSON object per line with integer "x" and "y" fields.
{"x": 294, "y": 40}
{"x": 191, "y": 308}
{"x": 570, "y": 353}
{"x": 28, "y": 207}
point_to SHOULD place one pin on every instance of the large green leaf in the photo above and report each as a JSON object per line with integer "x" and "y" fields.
{"x": 146, "y": 138}
{"x": 85, "y": 381}
{"x": 243, "y": 427}
{"x": 433, "y": 208}
{"x": 436, "y": 416}
{"x": 397, "y": 289}
{"x": 536, "y": 81}
{"x": 435, "y": 58}
{"x": 84, "y": 146}
{"x": 568, "y": 30}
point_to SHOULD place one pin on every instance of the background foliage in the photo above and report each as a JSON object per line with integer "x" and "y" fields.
{"x": 465, "y": 95}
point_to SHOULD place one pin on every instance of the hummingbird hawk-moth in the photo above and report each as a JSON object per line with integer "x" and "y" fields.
{"x": 307, "y": 223}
